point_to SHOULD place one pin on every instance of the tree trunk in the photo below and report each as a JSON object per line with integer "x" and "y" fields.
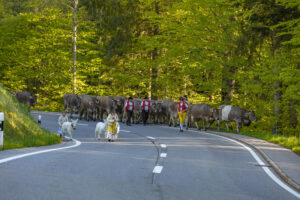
{"x": 277, "y": 88}
{"x": 154, "y": 55}
{"x": 227, "y": 84}
{"x": 75, "y": 8}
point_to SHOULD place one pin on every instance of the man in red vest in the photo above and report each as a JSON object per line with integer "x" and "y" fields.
{"x": 129, "y": 107}
{"x": 145, "y": 109}
{"x": 182, "y": 109}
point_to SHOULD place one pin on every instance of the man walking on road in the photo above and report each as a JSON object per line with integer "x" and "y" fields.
{"x": 145, "y": 109}
{"x": 129, "y": 107}
{"x": 62, "y": 118}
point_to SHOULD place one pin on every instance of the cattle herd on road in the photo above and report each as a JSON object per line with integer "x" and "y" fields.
{"x": 162, "y": 111}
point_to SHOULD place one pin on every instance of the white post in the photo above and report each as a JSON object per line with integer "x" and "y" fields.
{"x": 39, "y": 119}
{"x": 1, "y": 129}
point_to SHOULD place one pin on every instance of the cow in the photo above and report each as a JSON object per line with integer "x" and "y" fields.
{"x": 156, "y": 111}
{"x": 105, "y": 104}
{"x": 169, "y": 109}
{"x": 27, "y": 98}
{"x": 239, "y": 115}
{"x": 137, "y": 117}
{"x": 202, "y": 111}
{"x": 88, "y": 107}
{"x": 119, "y": 102}
{"x": 72, "y": 101}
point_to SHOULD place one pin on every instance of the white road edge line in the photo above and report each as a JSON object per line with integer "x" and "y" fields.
{"x": 77, "y": 143}
{"x": 163, "y": 155}
{"x": 260, "y": 162}
{"x": 157, "y": 169}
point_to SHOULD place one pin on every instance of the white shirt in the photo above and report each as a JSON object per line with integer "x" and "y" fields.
{"x": 62, "y": 119}
{"x": 181, "y": 105}
{"x": 146, "y": 105}
{"x": 130, "y": 105}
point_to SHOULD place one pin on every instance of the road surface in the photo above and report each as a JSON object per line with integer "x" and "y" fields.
{"x": 189, "y": 165}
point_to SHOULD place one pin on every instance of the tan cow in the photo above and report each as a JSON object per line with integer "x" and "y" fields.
{"x": 203, "y": 112}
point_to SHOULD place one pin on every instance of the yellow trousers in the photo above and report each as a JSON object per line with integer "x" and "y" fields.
{"x": 182, "y": 116}
{"x": 112, "y": 128}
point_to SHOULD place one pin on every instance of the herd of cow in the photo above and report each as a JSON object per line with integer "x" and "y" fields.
{"x": 162, "y": 111}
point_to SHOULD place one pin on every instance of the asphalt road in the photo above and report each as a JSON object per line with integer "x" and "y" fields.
{"x": 194, "y": 165}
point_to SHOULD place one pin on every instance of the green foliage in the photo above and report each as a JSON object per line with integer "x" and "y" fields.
{"x": 236, "y": 52}
{"x": 20, "y": 128}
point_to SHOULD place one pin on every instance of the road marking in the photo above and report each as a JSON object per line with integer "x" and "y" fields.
{"x": 163, "y": 146}
{"x": 152, "y": 139}
{"x": 125, "y": 131}
{"x": 77, "y": 143}
{"x": 82, "y": 124}
{"x": 163, "y": 155}
{"x": 157, "y": 169}
{"x": 260, "y": 162}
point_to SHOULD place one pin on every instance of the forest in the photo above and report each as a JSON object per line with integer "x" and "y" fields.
{"x": 239, "y": 52}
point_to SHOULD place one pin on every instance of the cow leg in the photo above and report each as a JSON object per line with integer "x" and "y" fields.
{"x": 80, "y": 113}
{"x": 238, "y": 125}
{"x": 187, "y": 123}
{"x": 197, "y": 126}
{"x": 65, "y": 107}
{"x": 71, "y": 110}
{"x": 28, "y": 104}
{"x": 210, "y": 124}
{"x": 227, "y": 127}
{"x": 173, "y": 120}
{"x": 203, "y": 121}
{"x": 219, "y": 123}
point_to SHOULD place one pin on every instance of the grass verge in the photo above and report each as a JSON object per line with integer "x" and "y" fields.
{"x": 20, "y": 128}
{"x": 290, "y": 142}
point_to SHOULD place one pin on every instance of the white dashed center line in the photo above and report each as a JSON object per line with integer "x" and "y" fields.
{"x": 157, "y": 169}
{"x": 163, "y": 155}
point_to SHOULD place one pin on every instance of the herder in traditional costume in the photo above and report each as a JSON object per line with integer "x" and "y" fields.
{"x": 145, "y": 109}
{"x": 112, "y": 121}
{"x": 182, "y": 110}
{"x": 129, "y": 107}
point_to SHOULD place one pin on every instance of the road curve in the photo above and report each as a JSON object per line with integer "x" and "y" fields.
{"x": 193, "y": 165}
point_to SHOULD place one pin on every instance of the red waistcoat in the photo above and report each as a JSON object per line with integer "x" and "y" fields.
{"x": 127, "y": 107}
{"x": 183, "y": 107}
{"x": 143, "y": 106}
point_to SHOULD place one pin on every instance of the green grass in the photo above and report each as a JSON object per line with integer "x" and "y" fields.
{"x": 290, "y": 142}
{"x": 20, "y": 128}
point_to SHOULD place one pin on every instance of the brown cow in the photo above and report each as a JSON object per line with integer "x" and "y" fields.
{"x": 137, "y": 115}
{"x": 169, "y": 109}
{"x": 88, "y": 107}
{"x": 157, "y": 111}
{"x": 119, "y": 102}
{"x": 27, "y": 98}
{"x": 72, "y": 101}
{"x": 105, "y": 104}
